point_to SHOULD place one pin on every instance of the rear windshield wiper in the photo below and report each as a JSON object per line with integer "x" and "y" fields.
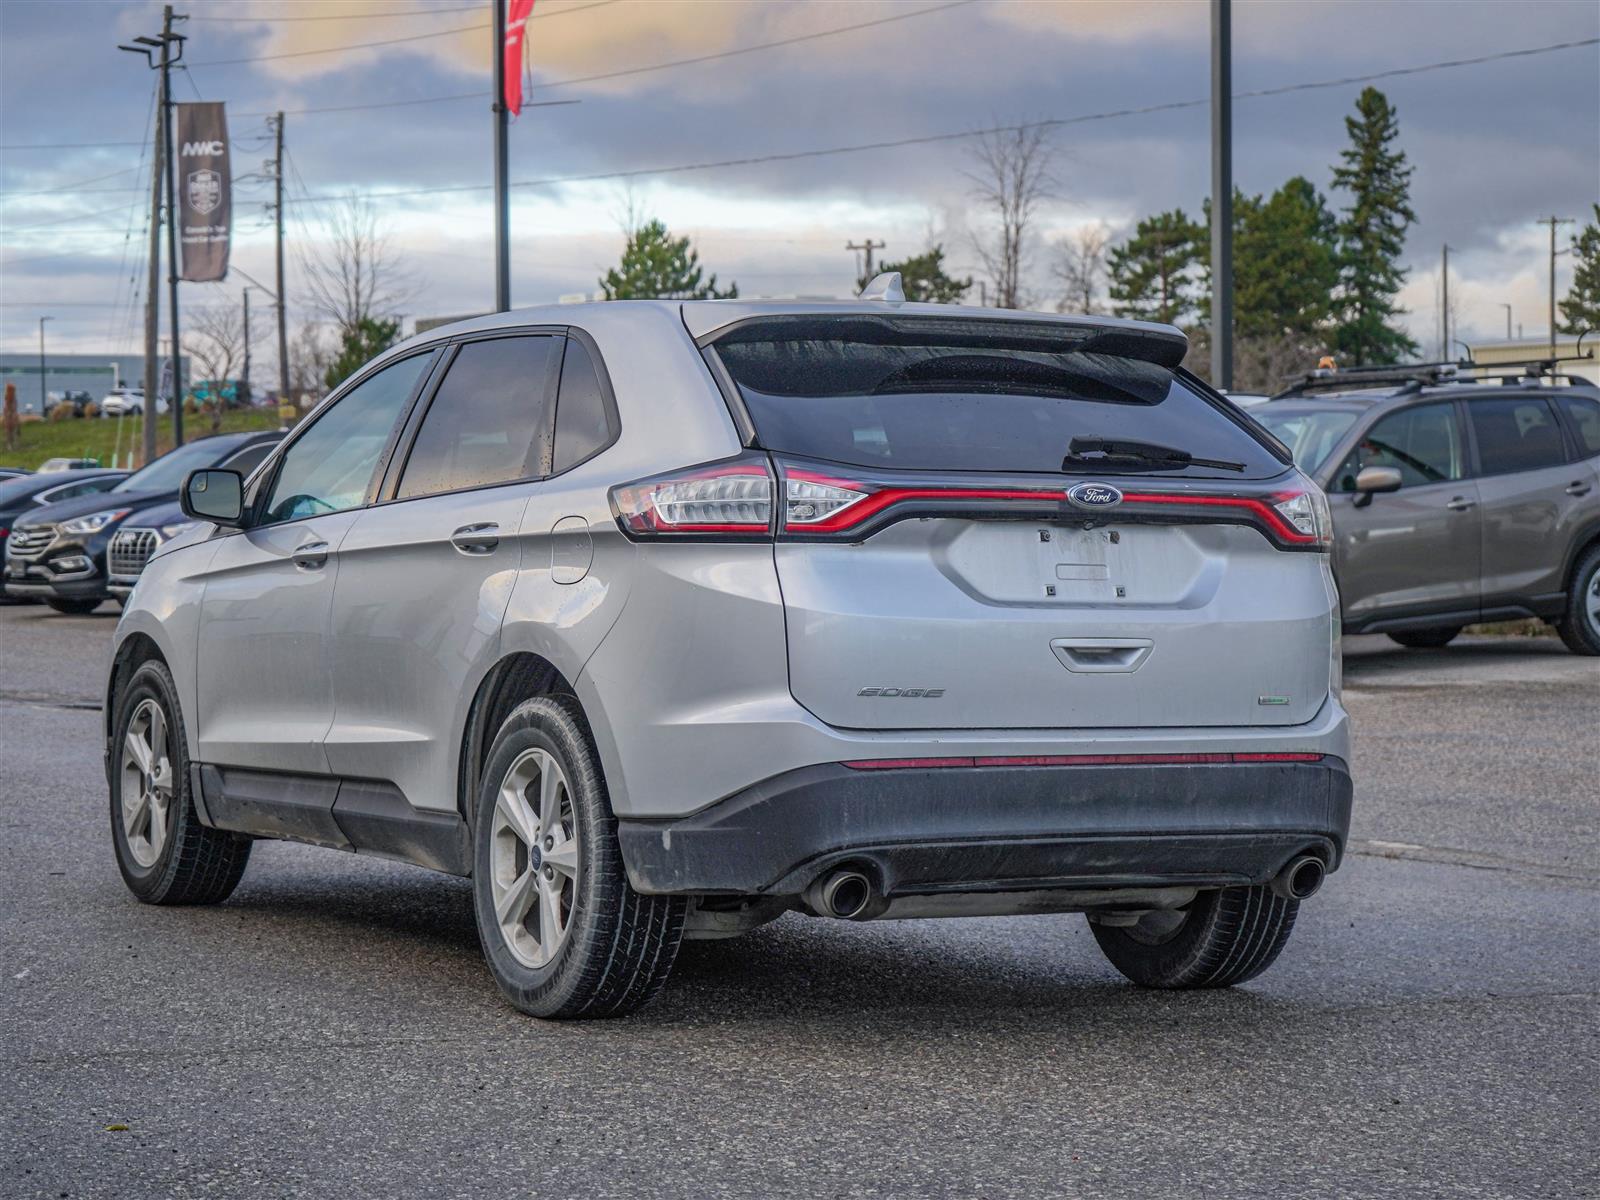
{"x": 1108, "y": 454}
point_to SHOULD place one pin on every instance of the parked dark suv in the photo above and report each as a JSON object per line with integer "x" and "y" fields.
{"x": 1455, "y": 501}
{"x": 58, "y": 553}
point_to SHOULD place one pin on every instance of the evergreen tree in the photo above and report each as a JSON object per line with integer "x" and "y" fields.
{"x": 1286, "y": 266}
{"x": 1581, "y": 309}
{"x": 656, "y": 265}
{"x": 1153, "y": 273}
{"x": 923, "y": 278}
{"x": 1372, "y": 233}
{"x": 362, "y": 342}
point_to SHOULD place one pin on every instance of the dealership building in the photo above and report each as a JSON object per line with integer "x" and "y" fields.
{"x": 96, "y": 374}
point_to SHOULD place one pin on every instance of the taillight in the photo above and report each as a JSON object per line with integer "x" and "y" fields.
{"x": 732, "y": 498}
{"x": 811, "y": 500}
{"x": 1306, "y": 510}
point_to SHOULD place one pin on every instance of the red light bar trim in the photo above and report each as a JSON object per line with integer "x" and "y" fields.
{"x": 1249, "y": 503}
{"x": 1081, "y": 760}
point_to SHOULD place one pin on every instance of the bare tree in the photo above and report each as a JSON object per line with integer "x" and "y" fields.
{"x": 353, "y": 274}
{"x": 1011, "y": 175}
{"x": 1081, "y": 266}
{"x": 215, "y": 337}
{"x": 309, "y": 357}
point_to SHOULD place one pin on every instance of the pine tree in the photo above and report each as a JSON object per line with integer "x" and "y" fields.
{"x": 1286, "y": 266}
{"x": 656, "y": 265}
{"x": 1372, "y": 233}
{"x": 358, "y": 345}
{"x": 1153, "y": 273}
{"x": 1581, "y": 309}
{"x": 923, "y": 278}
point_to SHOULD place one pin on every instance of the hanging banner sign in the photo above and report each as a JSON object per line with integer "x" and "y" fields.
{"x": 205, "y": 191}
{"x": 517, "y": 14}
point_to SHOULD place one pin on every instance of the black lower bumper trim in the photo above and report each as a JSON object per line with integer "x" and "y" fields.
{"x": 924, "y": 831}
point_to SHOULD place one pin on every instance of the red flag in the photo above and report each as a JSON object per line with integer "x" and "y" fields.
{"x": 516, "y": 22}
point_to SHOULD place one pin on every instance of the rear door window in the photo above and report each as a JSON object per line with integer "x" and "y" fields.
{"x": 952, "y": 394}
{"x": 488, "y": 421}
{"x": 1422, "y": 443}
{"x": 1584, "y": 418}
{"x": 1516, "y": 434}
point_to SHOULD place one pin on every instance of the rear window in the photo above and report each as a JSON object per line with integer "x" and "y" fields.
{"x": 972, "y": 395}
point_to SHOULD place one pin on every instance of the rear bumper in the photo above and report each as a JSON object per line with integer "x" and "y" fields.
{"x": 1001, "y": 828}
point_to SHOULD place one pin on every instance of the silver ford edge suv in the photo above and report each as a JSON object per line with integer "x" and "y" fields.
{"x": 660, "y": 620}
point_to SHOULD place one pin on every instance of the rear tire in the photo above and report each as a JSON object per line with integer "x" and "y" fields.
{"x": 165, "y": 854}
{"x": 1226, "y": 937}
{"x": 562, "y": 931}
{"x": 1580, "y": 626}
{"x": 73, "y": 608}
{"x": 1426, "y": 639}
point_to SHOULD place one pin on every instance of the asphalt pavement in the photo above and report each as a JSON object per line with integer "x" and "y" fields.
{"x": 1432, "y": 1028}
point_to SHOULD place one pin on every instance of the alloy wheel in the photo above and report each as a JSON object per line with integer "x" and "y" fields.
{"x": 533, "y": 858}
{"x": 146, "y": 794}
{"x": 1591, "y": 602}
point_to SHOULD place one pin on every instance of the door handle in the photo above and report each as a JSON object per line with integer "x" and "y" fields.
{"x": 1102, "y": 656}
{"x": 476, "y": 539}
{"x": 310, "y": 555}
{"x": 1578, "y": 488}
{"x": 1460, "y": 504}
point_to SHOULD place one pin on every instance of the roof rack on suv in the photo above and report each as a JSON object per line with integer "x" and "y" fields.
{"x": 1413, "y": 377}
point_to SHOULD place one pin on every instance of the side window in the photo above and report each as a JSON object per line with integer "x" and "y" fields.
{"x": 488, "y": 418}
{"x": 583, "y": 423}
{"x": 1422, "y": 443}
{"x": 330, "y": 465}
{"x": 1584, "y": 417}
{"x": 1516, "y": 434}
{"x": 249, "y": 458}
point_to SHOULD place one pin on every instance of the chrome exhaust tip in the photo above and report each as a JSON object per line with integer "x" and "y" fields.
{"x": 1301, "y": 879}
{"x": 845, "y": 894}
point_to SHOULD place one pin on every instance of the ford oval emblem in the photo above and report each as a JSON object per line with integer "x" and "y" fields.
{"x": 1094, "y": 495}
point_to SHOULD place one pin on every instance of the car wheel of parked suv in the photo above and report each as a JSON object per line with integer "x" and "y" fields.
{"x": 563, "y": 932}
{"x": 1223, "y": 937}
{"x": 1580, "y": 628}
{"x": 165, "y": 854}
{"x": 1426, "y": 639}
{"x": 74, "y": 608}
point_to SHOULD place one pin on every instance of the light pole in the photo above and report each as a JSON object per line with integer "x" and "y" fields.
{"x": 43, "y": 400}
{"x": 244, "y": 383}
{"x": 1507, "y": 307}
{"x": 1221, "y": 194}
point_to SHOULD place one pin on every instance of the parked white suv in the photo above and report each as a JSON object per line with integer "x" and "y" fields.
{"x": 661, "y": 620}
{"x": 127, "y": 402}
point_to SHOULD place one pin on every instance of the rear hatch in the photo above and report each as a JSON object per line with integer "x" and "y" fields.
{"x": 993, "y": 524}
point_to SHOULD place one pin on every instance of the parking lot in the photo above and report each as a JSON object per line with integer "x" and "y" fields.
{"x": 1433, "y": 1027}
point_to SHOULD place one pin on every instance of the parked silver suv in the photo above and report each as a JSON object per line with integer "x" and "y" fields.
{"x": 660, "y": 619}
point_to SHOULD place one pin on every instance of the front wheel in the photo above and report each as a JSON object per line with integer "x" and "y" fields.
{"x": 1222, "y": 938}
{"x": 1426, "y": 639}
{"x": 73, "y": 608}
{"x": 165, "y": 854}
{"x": 1580, "y": 626}
{"x": 562, "y": 931}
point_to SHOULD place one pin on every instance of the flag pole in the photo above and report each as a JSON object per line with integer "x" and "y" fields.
{"x": 502, "y": 200}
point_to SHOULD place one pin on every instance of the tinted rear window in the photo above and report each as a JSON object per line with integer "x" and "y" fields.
{"x": 968, "y": 395}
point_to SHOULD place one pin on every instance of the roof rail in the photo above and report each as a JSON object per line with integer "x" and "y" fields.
{"x": 1416, "y": 376}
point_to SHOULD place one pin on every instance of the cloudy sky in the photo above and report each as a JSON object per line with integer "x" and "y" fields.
{"x": 1495, "y": 145}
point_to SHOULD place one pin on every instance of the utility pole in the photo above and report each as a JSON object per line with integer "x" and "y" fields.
{"x": 502, "y": 198}
{"x": 1444, "y": 307}
{"x": 283, "y": 320}
{"x": 244, "y": 381}
{"x": 168, "y": 40}
{"x": 1507, "y": 307}
{"x": 1221, "y": 194}
{"x": 867, "y": 246}
{"x": 159, "y": 167}
{"x": 43, "y": 399}
{"x": 1553, "y": 221}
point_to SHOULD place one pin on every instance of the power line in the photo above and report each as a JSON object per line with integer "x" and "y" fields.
{"x": 78, "y": 217}
{"x": 926, "y": 139}
{"x": 416, "y": 12}
{"x": 415, "y": 37}
{"x": 300, "y": 112}
{"x": 75, "y": 185}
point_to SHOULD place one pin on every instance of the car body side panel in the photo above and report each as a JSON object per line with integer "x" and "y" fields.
{"x": 1528, "y": 520}
{"x": 1409, "y": 549}
{"x": 416, "y": 623}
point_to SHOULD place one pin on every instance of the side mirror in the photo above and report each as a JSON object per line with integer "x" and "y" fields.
{"x": 1373, "y": 480}
{"x": 214, "y": 496}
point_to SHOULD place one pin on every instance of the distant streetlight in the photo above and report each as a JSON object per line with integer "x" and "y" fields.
{"x": 43, "y": 401}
